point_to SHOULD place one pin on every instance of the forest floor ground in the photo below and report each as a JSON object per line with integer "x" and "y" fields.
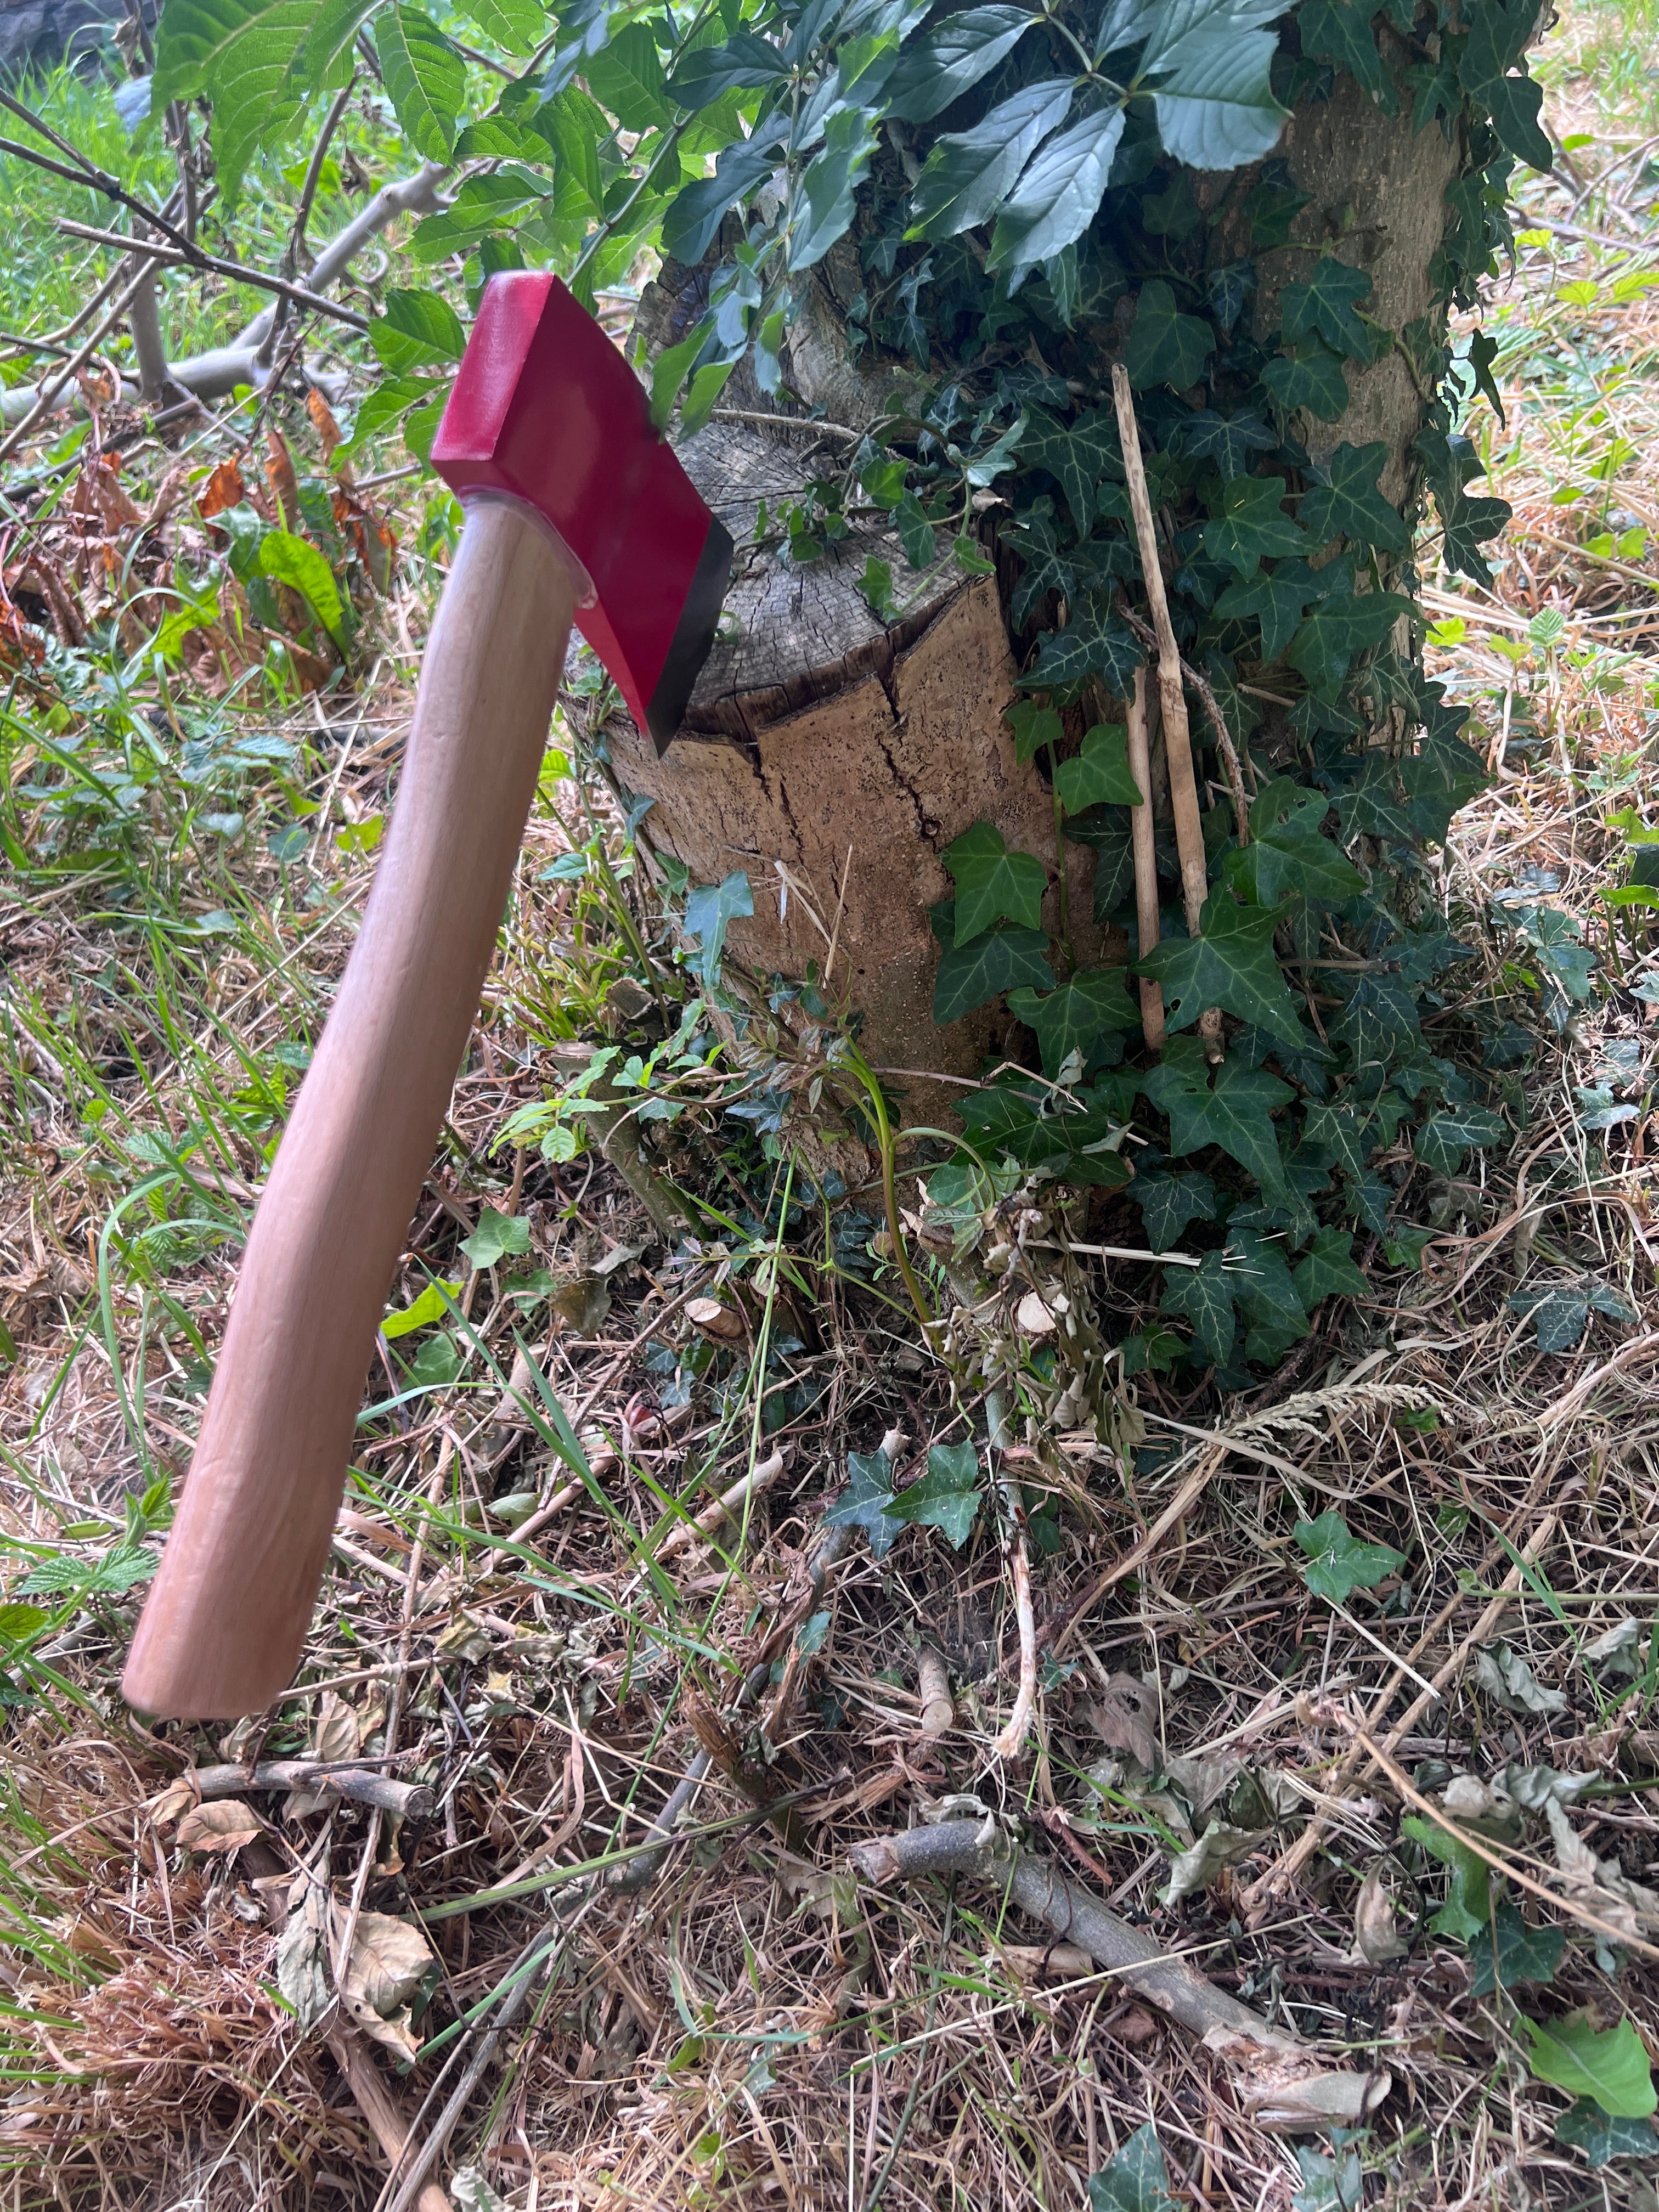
{"x": 748, "y": 2023}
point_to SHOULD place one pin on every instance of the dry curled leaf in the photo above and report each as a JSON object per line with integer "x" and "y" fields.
{"x": 302, "y": 1960}
{"x": 336, "y": 1732}
{"x": 581, "y": 1304}
{"x": 224, "y": 1825}
{"x": 1374, "y": 1936}
{"x": 1123, "y": 1717}
{"x": 322, "y": 417}
{"x": 389, "y": 1961}
{"x": 171, "y": 1803}
{"x": 223, "y": 489}
{"x": 1287, "y": 2093}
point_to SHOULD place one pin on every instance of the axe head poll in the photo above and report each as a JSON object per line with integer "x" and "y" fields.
{"x": 546, "y": 412}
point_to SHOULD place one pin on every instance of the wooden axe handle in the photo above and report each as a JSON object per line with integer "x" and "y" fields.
{"x": 222, "y": 1632}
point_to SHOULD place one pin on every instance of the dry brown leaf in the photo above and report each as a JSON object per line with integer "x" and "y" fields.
{"x": 1137, "y": 2025}
{"x": 171, "y": 1803}
{"x": 582, "y": 1304}
{"x": 1124, "y": 1716}
{"x": 389, "y": 1961}
{"x": 1287, "y": 2092}
{"x": 322, "y": 416}
{"x": 223, "y": 489}
{"x": 224, "y": 1825}
{"x": 281, "y": 476}
{"x": 337, "y": 1731}
{"x": 1374, "y": 1936}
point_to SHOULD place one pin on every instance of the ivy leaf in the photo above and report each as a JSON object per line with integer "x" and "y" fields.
{"x": 1560, "y": 1315}
{"x": 1210, "y": 61}
{"x": 1324, "y": 304}
{"x": 1077, "y": 455}
{"x": 946, "y": 62}
{"x": 1136, "y": 2179}
{"x": 1586, "y": 2127}
{"x": 1338, "y": 1563}
{"x": 1203, "y": 1296}
{"x": 1329, "y": 1271}
{"x": 1097, "y": 642}
{"x": 1351, "y": 505}
{"x": 1341, "y": 31}
{"x": 1443, "y": 776}
{"x": 1467, "y": 524}
{"x": 992, "y": 884}
{"x": 1609, "y": 2065}
{"x": 1231, "y": 964}
{"x": 1236, "y": 1115}
{"x": 1233, "y": 442}
{"x": 425, "y": 80}
{"x": 1168, "y": 1202}
{"x": 1370, "y": 806}
{"x": 1468, "y": 1908}
{"x": 867, "y": 1500}
{"x": 1292, "y": 859}
{"x": 1045, "y": 567}
{"x": 1274, "y": 598}
{"x": 1266, "y": 1293}
{"x": 497, "y": 1236}
{"x": 1446, "y": 1136}
{"x": 1072, "y": 1017}
{"x": 625, "y": 77}
{"x": 823, "y": 208}
{"x": 948, "y": 1495}
{"x": 1311, "y": 377}
{"x": 1497, "y": 39}
{"x": 1165, "y": 346}
{"x": 1034, "y": 727}
{"x": 708, "y": 909}
{"x": 1056, "y": 199}
{"x": 1522, "y": 1954}
{"x": 915, "y": 532}
{"x": 1253, "y": 526}
{"x": 1106, "y": 832}
{"x": 1337, "y": 629}
{"x": 1001, "y": 959}
{"x": 1100, "y": 774}
{"x": 1379, "y": 1023}
{"x": 969, "y": 173}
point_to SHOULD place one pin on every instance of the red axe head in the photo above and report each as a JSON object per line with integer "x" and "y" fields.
{"x": 545, "y": 410}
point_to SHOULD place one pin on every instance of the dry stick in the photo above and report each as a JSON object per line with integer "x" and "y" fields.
{"x": 725, "y": 1507}
{"x": 1279, "y": 1876}
{"x": 238, "y": 271}
{"x": 409, "y": 1799}
{"x": 1144, "y": 836}
{"x": 374, "y": 2101}
{"x": 49, "y": 391}
{"x": 1177, "y": 738}
{"x": 938, "y": 1711}
{"x": 1038, "y": 1887}
{"x": 1217, "y": 721}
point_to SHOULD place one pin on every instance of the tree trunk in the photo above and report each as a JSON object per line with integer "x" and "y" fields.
{"x": 832, "y": 757}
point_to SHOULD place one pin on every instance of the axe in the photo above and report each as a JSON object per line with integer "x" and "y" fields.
{"x": 576, "y": 512}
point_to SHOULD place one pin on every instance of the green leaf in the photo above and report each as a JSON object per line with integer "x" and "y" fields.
{"x": 948, "y": 1495}
{"x": 1168, "y": 1202}
{"x": 1034, "y": 727}
{"x": 1203, "y": 1296}
{"x": 1351, "y": 505}
{"x": 575, "y": 124}
{"x": 1294, "y": 859}
{"x": 1253, "y": 527}
{"x": 1560, "y": 1315}
{"x": 1329, "y": 1271}
{"x": 1341, "y": 31}
{"x": 1165, "y": 346}
{"x": 429, "y": 1307}
{"x": 696, "y": 214}
{"x": 1072, "y": 1017}
{"x": 419, "y": 330}
{"x": 992, "y": 884}
{"x": 1324, "y": 304}
{"x": 425, "y": 79}
{"x": 1001, "y": 959}
{"x": 1311, "y": 377}
{"x": 517, "y": 27}
{"x": 822, "y": 207}
{"x": 866, "y": 1502}
{"x": 1210, "y": 61}
{"x": 946, "y": 62}
{"x": 746, "y": 63}
{"x": 1056, "y": 199}
{"x": 1235, "y": 1113}
{"x": 330, "y": 29}
{"x": 294, "y": 561}
{"x": 1275, "y": 598}
{"x": 1078, "y": 455}
{"x": 1234, "y": 442}
{"x": 1231, "y": 964}
{"x": 1522, "y": 1954}
{"x": 1337, "y": 629}
{"x": 482, "y": 203}
{"x": 625, "y": 77}
{"x": 915, "y": 533}
{"x": 1584, "y": 2126}
{"x": 241, "y": 54}
{"x": 708, "y": 911}
{"x": 1609, "y": 2065}
{"x": 19, "y": 1622}
{"x": 497, "y": 1237}
{"x": 1338, "y": 1563}
{"x": 875, "y": 587}
{"x": 1446, "y": 1136}
{"x": 1105, "y": 831}
{"x": 1095, "y": 642}
{"x": 1497, "y": 41}
{"x": 1100, "y": 774}
{"x": 1136, "y": 2179}
{"x": 969, "y": 173}
{"x": 438, "y": 1362}
{"x": 1468, "y": 1908}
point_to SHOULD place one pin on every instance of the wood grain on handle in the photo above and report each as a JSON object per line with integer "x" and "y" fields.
{"x": 221, "y": 1632}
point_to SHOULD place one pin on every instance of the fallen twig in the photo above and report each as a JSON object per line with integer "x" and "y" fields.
{"x": 1143, "y": 833}
{"x": 726, "y": 1508}
{"x": 409, "y": 1799}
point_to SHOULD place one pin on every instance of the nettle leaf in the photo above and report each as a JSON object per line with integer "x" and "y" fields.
{"x": 1497, "y": 41}
{"x": 1328, "y": 1270}
{"x": 1100, "y": 774}
{"x": 969, "y": 173}
{"x": 1234, "y": 442}
{"x": 866, "y": 1502}
{"x": 1252, "y": 525}
{"x": 1078, "y": 455}
{"x": 946, "y": 62}
{"x": 1057, "y": 198}
{"x": 1231, "y": 964}
{"x": 1210, "y": 61}
{"x": 1237, "y": 1114}
{"x": 1310, "y": 376}
{"x": 1610, "y": 2066}
{"x": 1522, "y": 1954}
{"x": 1165, "y": 346}
{"x": 1341, "y": 31}
{"x": 994, "y": 884}
{"x": 1136, "y": 2178}
{"x": 1338, "y": 1563}
{"x": 948, "y": 1495}
{"x": 425, "y": 80}
{"x": 1073, "y": 1016}
{"x": 1204, "y": 1297}
{"x": 1005, "y": 959}
{"x": 1168, "y": 1202}
{"x": 1351, "y": 505}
